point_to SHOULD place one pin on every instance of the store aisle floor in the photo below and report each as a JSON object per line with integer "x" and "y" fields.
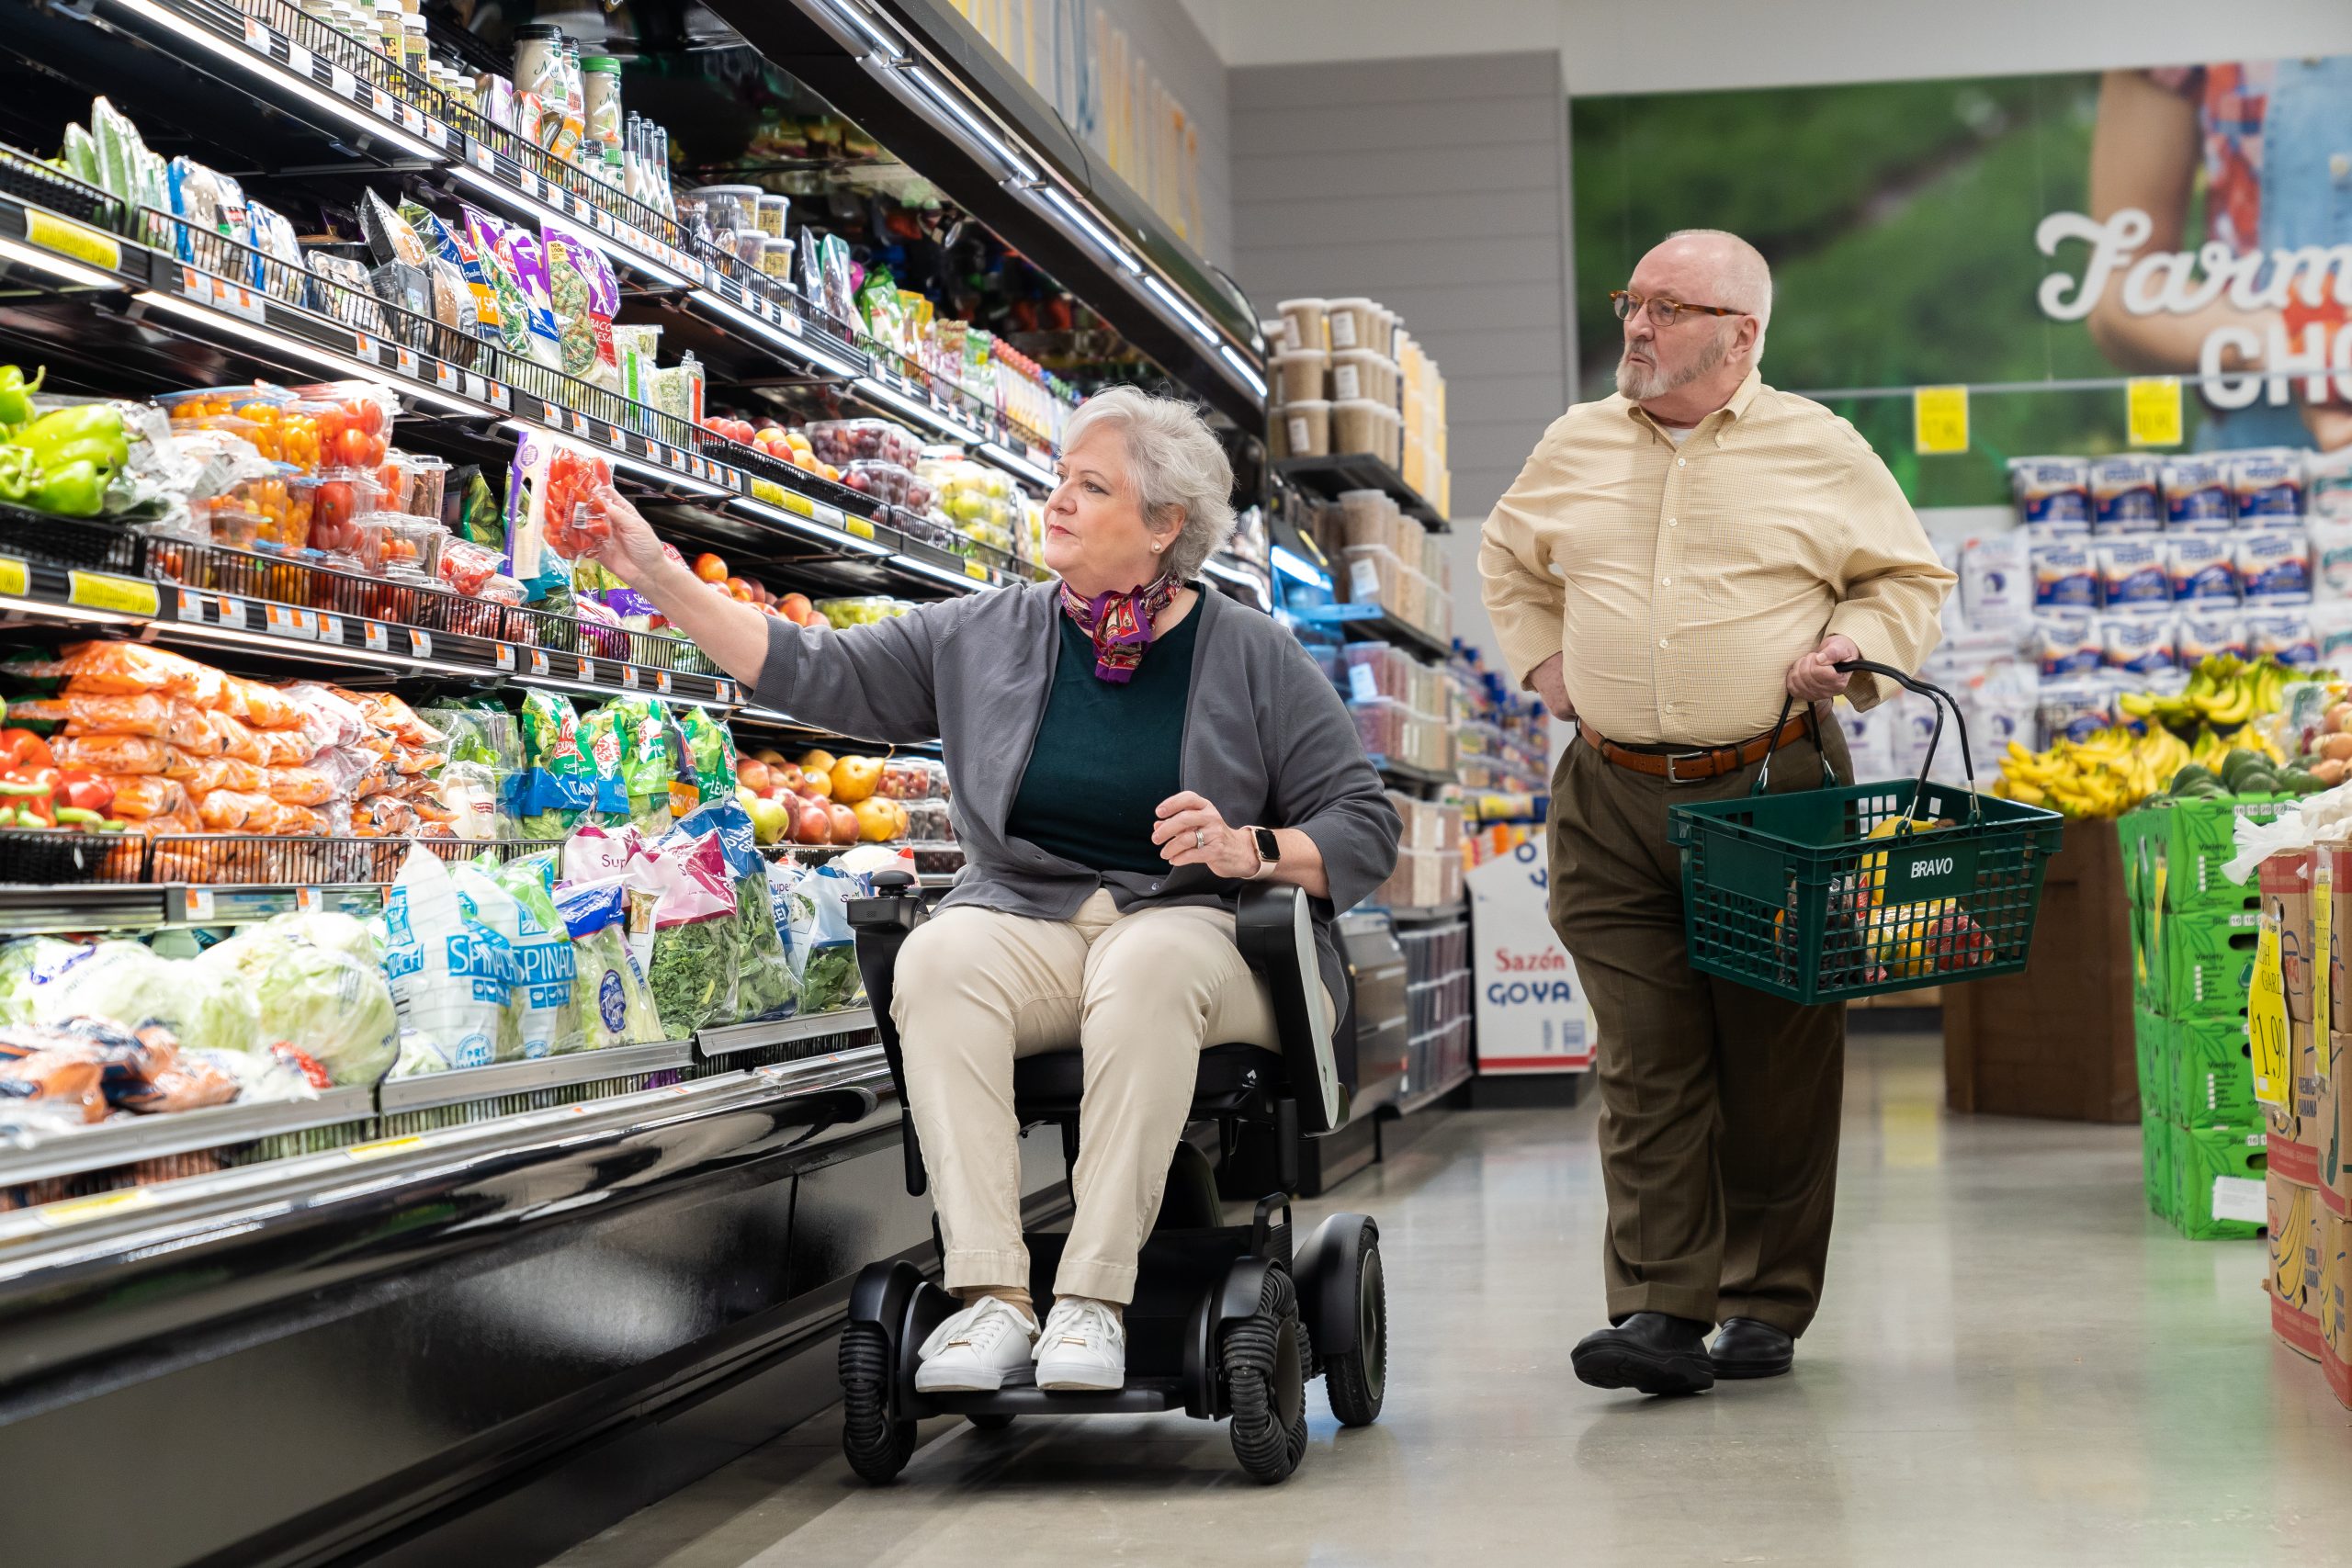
{"x": 2014, "y": 1364}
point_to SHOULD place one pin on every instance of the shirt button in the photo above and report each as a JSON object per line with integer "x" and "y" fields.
{"x": 1679, "y": 461}
{"x": 1674, "y": 522}
{"x": 1661, "y": 642}
{"x": 1665, "y": 582}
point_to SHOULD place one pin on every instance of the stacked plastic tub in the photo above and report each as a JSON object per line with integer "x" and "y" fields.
{"x": 1381, "y": 557}
{"x": 1348, "y": 379}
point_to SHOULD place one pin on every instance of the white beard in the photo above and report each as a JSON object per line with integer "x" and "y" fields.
{"x": 1639, "y": 385}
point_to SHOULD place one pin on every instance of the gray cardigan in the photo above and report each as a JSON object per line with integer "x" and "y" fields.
{"x": 1267, "y": 742}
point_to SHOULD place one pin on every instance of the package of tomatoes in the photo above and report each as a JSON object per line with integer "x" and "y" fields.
{"x": 545, "y": 519}
{"x": 353, "y": 421}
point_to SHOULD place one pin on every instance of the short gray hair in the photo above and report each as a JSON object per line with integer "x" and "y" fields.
{"x": 1742, "y": 277}
{"x": 1176, "y": 464}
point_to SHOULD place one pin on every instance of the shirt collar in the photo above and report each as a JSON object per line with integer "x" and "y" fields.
{"x": 1731, "y": 413}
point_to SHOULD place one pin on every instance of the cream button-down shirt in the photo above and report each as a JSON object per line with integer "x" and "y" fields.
{"x": 1682, "y": 580}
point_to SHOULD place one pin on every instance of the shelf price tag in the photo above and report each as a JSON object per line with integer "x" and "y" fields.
{"x": 505, "y": 656}
{"x": 191, "y": 606}
{"x": 588, "y": 671}
{"x": 404, "y": 360}
{"x": 485, "y": 160}
{"x": 103, "y": 591}
{"x": 52, "y": 233}
{"x": 499, "y": 399}
{"x": 379, "y": 1149}
{"x": 794, "y": 502}
{"x": 628, "y": 676}
{"x": 723, "y": 691}
{"x": 299, "y": 60}
{"x": 196, "y": 904}
{"x": 381, "y": 103}
{"x": 77, "y": 1210}
{"x": 476, "y": 388}
{"x": 16, "y": 579}
{"x": 373, "y": 638}
{"x": 340, "y": 82}
{"x": 420, "y": 643}
{"x": 309, "y": 900}
{"x": 330, "y": 628}
{"x": 280, "y": 621}
{"x": 857, "y": 527}
{"x": 2265, "y": 1018}
{"x": 1940, "y": 419}
{"x": 579, "y": 425}
{"x": 411, "y": 122}
{"x": 365, "y": 347}
{"x": 256, "y": 36}
{"x": 540, "y": 661}
{"x": 976, "y": 571}
{"x": 620, "y": 437}
{"x": 661, "y": 681}
{"x": 445, "y": 375}
{"x": 2152, "y": 409}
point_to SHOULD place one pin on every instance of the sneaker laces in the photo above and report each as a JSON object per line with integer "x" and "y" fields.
{"x": 1087, "y": 1321}
{"x": 978, "y": 1327}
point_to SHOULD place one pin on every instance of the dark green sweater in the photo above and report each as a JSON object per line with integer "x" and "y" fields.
{"x": 1107, "y": 755}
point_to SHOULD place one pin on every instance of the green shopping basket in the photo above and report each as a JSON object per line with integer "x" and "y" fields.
{"x": 1793, "y": 895}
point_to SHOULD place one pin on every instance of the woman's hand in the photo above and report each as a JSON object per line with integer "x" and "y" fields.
{"x": 1189, "y": 832}
{"x": 629, "y": 551}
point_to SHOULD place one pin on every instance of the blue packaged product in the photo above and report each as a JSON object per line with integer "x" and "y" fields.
{"x": 2124, "y": 498}
{"x": 2203, "y": 569}
{"x": 2209, "y": 634}
{"x": 2066, "y": 644}
{"x": 2138, "y": 645}
{"x": 2275, "y": 568}
{"x": 2132, "y": 575}
{"x": 2197, "y": 494}
{"x": 2051, "y": 490}
{"x": 2065, "y": 577}
{"x": 2285, "y": 635}
{"x": 2268, "y": 482}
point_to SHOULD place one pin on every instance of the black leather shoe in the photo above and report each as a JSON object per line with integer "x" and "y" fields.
{"x": 1747, "y": 1348}
{"x": 1648, "y": 1351}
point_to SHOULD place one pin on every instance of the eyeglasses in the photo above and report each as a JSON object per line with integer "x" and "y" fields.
{"x": 1664, "y": 312}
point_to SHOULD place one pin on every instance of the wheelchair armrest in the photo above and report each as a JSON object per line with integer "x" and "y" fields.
{"x": 882, "y": 924}
{"x": 1276, "y": 934}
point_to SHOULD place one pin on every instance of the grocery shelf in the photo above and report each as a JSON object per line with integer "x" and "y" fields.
{"x": 1407, "y": 773}
{"x": 1371, "y": 623}
{"x": 1326, "y": 477}
{"x": 427, "y": 1091}
{"x": 732, "y": 1038}
{"x": 1421, "y": 1098}
{"x": 1422, "y": 914}
{"x": 34, "y": 1157}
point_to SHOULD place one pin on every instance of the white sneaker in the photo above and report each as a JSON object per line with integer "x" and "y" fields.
{"x": 976, "y": 1349}
{"x": 1083, "y": 1346}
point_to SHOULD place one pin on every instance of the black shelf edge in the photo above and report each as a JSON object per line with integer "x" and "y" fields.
{"x": 1327, "y": 476}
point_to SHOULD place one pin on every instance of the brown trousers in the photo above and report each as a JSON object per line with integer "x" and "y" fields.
{"x": 1719, "y": 1104}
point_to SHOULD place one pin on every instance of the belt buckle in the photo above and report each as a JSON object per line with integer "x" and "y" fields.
{"x": 1674, "y": 778}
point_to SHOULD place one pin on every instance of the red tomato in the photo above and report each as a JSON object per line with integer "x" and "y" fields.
{"x": 351, "y": 449}
{"x": 371, "y": 414}
{"x": 376, "y": 446}
{"x": 330, "y": 507}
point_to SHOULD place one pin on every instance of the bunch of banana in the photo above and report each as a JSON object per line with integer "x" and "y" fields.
{"x": 2104, "y": 775}
{"x": 2223, "y": 691}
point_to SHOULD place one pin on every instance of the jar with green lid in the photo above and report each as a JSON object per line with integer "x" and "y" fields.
{"x": 600, "y": 86}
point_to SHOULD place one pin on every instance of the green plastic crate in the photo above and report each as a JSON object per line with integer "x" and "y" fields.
{"x": 1789, "y": 894}
{"x": 2190, "y": 841}
{"x": 2211, "y": 1085}
{"x": 2155, "y": 1166}
{"x": 2199, "y": 1159}
{"x": 2201, "y": 965}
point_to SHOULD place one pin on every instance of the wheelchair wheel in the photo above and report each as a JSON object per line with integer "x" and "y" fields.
{"x": 1356, "y": 1380}
{"x": 1266, "y": 1355}
{"x": 877, "y": 1447}
{"x": 990, "y": 1421}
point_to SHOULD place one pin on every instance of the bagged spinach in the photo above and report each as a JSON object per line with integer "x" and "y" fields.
{"x": 451, "y": 976}
{"x": 545, "y": 964}
{"x": 826, "y": 948}
{"x": 487, "y": 904}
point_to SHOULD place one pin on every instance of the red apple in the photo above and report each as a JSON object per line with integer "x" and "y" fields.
{"x": 752, "y": 773}
{"x": 845, "y": 823}
{"x": 813, "y": 824}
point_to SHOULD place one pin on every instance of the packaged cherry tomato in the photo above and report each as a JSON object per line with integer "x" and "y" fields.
{"x": 550, "y": 477}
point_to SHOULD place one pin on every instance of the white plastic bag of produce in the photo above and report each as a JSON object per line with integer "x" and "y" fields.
{"x": 609, "y": 986}
{"x": 544, "y": 961}
{"x": 827, "y": 949}
{"x": 450, "y": 976}
{"x": 316, "y": 983}
{"x": 204, "y": 1004}
{"x": 483, "y": 901}
{"x": 18, "y": 960}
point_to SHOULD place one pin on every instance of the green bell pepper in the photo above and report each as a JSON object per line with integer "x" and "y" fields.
{"x": 76, "y": 490}
{"x": 16, "y": 395}
{"x": 90, "y": 432}
{"x": 19, "y": 473}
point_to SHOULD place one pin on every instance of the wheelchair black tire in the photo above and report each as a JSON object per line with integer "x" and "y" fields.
{"x": 877, "y": 1447}
{"x": 989, "y": 1420}
{"x": 1266, "y": 1355}
{"x": 1357, "y": 1381}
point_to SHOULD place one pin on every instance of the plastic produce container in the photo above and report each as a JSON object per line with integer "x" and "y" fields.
{"x": 1358, "y": 373}
{"x": 1356, "y": 425}
{"x": 882, "y": 479}
{"x": 929, "y": 822}
{"x": 1300, "y": 373}
{"x": 844, "y": 441}
{"x": 1352, "y": 323}
{"x": 1306, "y": 427}
{"x": 860, "y": 610}
{"x": 1303, "y": 324}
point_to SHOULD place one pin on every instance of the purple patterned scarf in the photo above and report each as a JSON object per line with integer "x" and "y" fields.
{"x": 1121, "y": 624}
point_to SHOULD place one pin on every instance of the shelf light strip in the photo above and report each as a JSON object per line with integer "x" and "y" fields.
{"x": 948, "y": 99}
{"x": 1243, "y": 368}
{"x": 890, "y": 397}
{"x": 1291, "y": 563}
{"x": 939, "y": 574}
{"x": 808, "y": 528}
{"x": 761, "y": 328}
{"x": 1094, "y": 232}
{"x": 854, "y": 14}
{"x": 72, "y": 272}
{"x": 1012, "y": 462}
{"x": 1180, "y": 310}
{"x": 247, "y": 60}
{"x": 280, "y": 342}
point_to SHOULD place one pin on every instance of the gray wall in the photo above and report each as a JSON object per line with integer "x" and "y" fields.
{"x": 1439, "y": 187}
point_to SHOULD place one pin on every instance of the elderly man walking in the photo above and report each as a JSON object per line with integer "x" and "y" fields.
{"x": 1673, "y": 565}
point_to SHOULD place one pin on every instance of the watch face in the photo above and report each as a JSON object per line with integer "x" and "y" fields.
{"x": 1268, "y": 847}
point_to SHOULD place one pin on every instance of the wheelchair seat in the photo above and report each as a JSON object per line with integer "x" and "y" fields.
{"x": 1227, "y": 1320}
{"x": 1049, "y": 1087}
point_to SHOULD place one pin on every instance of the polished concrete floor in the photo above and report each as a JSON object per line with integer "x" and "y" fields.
{"x": 2015, "y": 1365}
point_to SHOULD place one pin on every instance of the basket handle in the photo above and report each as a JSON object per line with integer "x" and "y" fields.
{"x": 1942, "y": 699}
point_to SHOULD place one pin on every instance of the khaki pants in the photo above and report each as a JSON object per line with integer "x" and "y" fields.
{"x": 1140, "y": 995}
{"x": 1719, "y": 1104}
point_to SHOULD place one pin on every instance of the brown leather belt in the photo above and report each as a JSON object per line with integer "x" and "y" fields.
{"x": 1708, "y": 762}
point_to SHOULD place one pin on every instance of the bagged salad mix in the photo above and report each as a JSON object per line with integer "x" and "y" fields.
{"x": 765, "y": 985}
{"x": 822, "y": 948}
{"x": 610, "y": 997}
{"x": 556, "y": 789}
{"x": 690, "y": 970}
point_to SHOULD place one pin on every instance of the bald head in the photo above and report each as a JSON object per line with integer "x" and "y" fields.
{"x": 1735, "y": 271}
